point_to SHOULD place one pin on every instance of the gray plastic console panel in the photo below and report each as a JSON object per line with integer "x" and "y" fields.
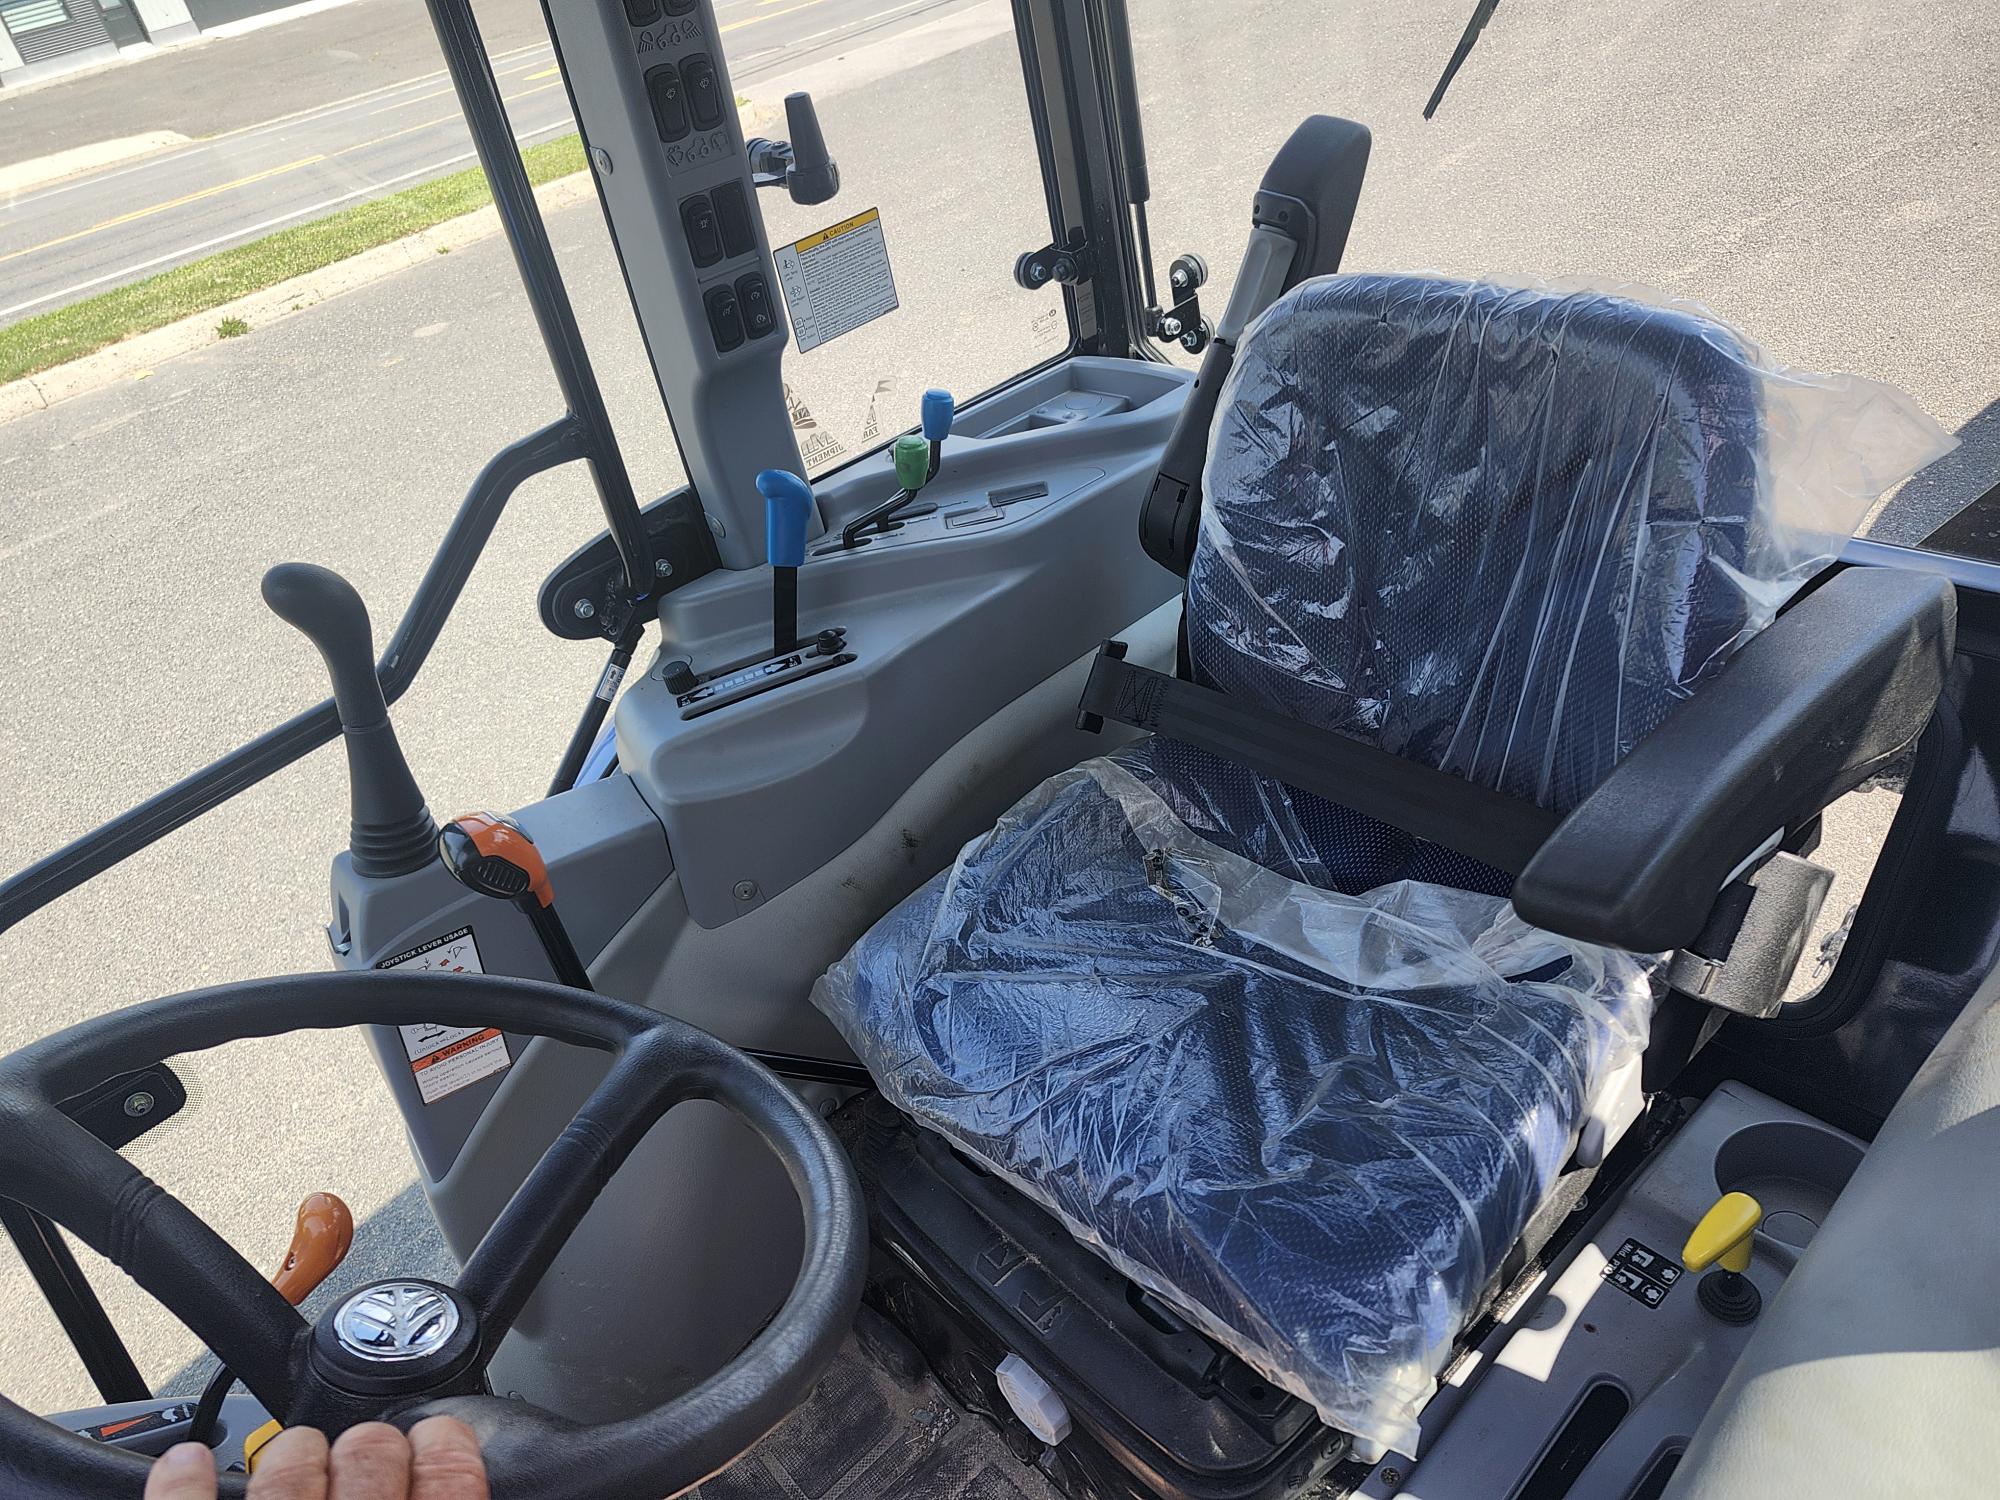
{"x": 1029, "y": 558}
{"x": 606, "y": 854}
{"x": 658, "y": 113}
{"x": 1623, "y": 1311}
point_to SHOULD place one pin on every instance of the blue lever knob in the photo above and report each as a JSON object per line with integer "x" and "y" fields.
{"x": 938, "y": 411}
{"x": 788, "y": 503}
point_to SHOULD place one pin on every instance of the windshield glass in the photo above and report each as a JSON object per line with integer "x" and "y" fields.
{"x": 932, "y": 131}
{"x": 1820, "y": 176}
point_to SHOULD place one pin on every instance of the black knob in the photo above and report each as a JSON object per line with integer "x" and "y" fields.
{"x": 813, "y": 177}
{"x": 323, "y": 607}
{"x": 391, "y": 831}
{"x": 679, "y": 677}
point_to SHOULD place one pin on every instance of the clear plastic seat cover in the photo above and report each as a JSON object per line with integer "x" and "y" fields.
{"x": 1302, "y": 1075}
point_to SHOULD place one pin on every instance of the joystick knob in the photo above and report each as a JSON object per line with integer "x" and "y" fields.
{"x": 788, "y": 508}
{"x": 391, "y": 832}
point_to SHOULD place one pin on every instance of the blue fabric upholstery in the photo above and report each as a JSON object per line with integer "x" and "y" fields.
{"x": 1498, "y": 531}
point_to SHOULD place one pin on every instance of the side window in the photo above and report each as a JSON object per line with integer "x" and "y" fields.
{"x": 953, "y": 218}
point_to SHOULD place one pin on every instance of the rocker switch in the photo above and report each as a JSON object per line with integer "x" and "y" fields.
{"x": 704, "y": 236}
{"x": 704, "y": 98}
{"x": 679, "y": 7}
{"x": 754, "y": 296}
{"x": 732, "y": 215}
{"x": 669, "y": 99}
{"x": 642, "y": 12}
{"x": 725, "y": 318}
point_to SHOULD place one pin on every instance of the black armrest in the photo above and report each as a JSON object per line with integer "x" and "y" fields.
{"x": 1838, "y": 686}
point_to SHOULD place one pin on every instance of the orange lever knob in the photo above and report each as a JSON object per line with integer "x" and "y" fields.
{"x": 321, "y": 1239}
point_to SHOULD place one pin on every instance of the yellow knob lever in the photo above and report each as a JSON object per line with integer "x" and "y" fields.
{"x": 1724, "y": 1234}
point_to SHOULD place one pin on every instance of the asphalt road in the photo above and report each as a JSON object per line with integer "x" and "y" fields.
{"x": 1822, "y": 178}
{"x": 300, "y": 161}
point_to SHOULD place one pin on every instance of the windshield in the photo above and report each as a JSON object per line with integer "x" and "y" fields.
{"x": 1820, "y": 176}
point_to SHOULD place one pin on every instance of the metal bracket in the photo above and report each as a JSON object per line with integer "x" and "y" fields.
{"x": 1066, "y": 265}
{"x": 1183, "y": 323}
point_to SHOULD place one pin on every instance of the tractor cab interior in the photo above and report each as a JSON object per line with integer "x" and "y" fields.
{"x": 1180, "y": 931}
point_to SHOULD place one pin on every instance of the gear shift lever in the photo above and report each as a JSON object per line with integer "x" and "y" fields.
{"x": 788, "y": 505}
{"x": 391, "y": 831}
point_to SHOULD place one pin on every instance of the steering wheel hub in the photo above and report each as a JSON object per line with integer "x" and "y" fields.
{"x": 394, "y": 1321}
{"x": 405, "y": 1337}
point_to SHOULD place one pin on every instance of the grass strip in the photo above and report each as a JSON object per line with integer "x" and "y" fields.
{"x": 67, "y": 333}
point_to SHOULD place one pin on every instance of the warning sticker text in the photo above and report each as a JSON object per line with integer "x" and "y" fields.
{"x": 446, "y": 1059}
{"x": 838, "y": 279}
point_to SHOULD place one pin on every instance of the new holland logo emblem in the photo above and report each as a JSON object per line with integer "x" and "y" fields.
{"x": 396, "y": 1320}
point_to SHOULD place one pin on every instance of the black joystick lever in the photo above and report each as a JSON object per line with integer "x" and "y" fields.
{"x": 495, "y": 857}
{"x": 392, "y": 832}
{"x": 801, "y": 166}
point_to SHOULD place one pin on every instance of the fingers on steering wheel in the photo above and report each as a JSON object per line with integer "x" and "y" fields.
{"x": 184, "y": 1472}
{"x": 445, "y": 1462}
{"x": 370, "y": 1462}
{"x": 292, "y": 1466}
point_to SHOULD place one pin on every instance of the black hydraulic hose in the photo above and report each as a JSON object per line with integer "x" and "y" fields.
{"x": 208, "y": 1410}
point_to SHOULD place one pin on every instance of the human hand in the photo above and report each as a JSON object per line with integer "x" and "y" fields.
{"x": 439, "y": 1460}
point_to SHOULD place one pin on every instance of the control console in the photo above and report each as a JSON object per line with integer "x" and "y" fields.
{"x": 658, "y": 115}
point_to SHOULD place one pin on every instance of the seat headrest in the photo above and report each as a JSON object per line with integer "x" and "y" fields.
{"x": 1499, "y": 530}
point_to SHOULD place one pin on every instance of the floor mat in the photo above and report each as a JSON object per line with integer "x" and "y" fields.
{"x": 878, "y": 1427}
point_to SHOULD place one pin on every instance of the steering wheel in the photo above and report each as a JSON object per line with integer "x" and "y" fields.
{"x": 414, "y": 1348}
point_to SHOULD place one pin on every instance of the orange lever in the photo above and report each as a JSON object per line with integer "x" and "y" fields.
{"x": 321, "y": 1239}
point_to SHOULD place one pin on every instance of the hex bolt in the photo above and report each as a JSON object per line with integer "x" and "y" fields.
{"x": 139, "y": 1105}
{"x": 661, "y": 567}
{"x": 1392, "y": 1477}
{"x": 746, "y": 890}
{"x": 585, "y": 609}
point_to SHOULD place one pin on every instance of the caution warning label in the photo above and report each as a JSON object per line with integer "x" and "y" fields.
{"x": 446, "y": 1059}
{"x": 837, "y": 280}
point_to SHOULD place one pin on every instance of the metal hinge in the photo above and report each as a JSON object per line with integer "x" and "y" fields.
{"x": 1065, "y": 265}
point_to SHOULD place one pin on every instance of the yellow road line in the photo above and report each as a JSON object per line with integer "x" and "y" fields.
{"x": 141, "y": 213}
{"x": 224, "y": 187}
{"x": 769, "y": 16}
{"x": 448, "y": 91}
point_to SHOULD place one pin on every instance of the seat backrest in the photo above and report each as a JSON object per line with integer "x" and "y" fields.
{"x": 1499, "y": 531}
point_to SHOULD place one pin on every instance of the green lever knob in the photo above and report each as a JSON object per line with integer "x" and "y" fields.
{"x": 913, "y": 462}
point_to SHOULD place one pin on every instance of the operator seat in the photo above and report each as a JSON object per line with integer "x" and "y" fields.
{"x": 1297, "y": 1071}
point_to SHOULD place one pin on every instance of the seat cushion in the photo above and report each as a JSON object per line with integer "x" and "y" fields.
{"x": 1314, "y": 1122}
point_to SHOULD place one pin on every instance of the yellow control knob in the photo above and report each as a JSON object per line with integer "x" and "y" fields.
{"x": 254, "y": 1444}
{"x": 1724, "y": 1234}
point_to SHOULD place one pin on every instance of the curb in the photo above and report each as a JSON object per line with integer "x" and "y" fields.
{"x": 42, "y": 171}
{"x": 134, "y": 358}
